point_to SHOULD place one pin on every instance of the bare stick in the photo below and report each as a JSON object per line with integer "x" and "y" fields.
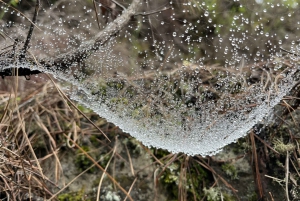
{"x": 64, "y": 61}
{"x": 297, "y": 55}
{"x": 123, "y": 7}
{"x": 154, "y": 11}
{"x": 26, "y": 45}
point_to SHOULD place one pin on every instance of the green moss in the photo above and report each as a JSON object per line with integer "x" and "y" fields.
{"x": 281, "y": 147}
{"x": 104, "y": 159}
{"x": 133, "y": 146}
{"x": 230, "y": 170}
{"x": 73, "y": 196}
{"x": 212, "y": 194}
{"x": 227, "y": 197}
{"x": 253, "y": 197}
{"x": 196, "y": 177}
{"x": 82, "y": 162}
{"x": 94, "y": 140}
{"x": 83, "y": 109}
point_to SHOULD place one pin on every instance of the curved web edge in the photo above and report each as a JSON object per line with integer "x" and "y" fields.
{"x": 199, "y": 139}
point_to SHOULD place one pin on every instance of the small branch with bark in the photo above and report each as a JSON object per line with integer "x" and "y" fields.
{"x": 65, "y": 61}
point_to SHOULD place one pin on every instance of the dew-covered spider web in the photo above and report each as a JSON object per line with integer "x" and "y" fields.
{"x": 184, "y": 75}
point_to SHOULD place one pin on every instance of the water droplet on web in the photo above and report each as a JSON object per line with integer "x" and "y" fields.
{"x": 191, "y": 85}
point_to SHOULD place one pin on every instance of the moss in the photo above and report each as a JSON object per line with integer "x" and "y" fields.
{"x": 82, "y": 162}
{"x": 83, "y": 109}
{"x": 227, "y": 197}
{"x": 212, "y": 194}
{"x": 230, "y": 170}
{"x": 253, "y": 197}
{"x": 94, "y": 140}
{"x": 73, "y": 196}
{"x": 133, "y": 146}
{"x": 281, "y": 147}
{"x": 196, "y": 177}
{"x": 104, "y": 159}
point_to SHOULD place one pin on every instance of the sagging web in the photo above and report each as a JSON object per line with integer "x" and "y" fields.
{"x": 186, "y": 76}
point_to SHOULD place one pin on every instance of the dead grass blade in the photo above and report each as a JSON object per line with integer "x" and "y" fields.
{"x": 287, "y": 172}
{"x": 130, "y": 161}
{"x": 267, "y": 144}
{"x": 206, "y": 166}
{"x": 67, "y": 98}
{"x": 5, "y": 110}
{"x": 254, "y": 155}
{"x": 101, "y": 168}
{"x": 96, "y": 12}
{"x": 102, "y": 177}
{"x": 75, "y": 178}
{"x": 135, "y": 179}
{"x": 182, "y": 191}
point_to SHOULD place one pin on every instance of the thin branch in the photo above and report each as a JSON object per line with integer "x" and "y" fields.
{"x": 154, "y": 11}
{"x": 20, "y": 13}
{"x": 297, "y": 55}
{"x": 120, "y": 5}
{"x": 64, "y": 61}
{"x": 26, "y": 45}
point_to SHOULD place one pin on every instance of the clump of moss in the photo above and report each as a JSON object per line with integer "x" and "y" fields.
{"x": 73, "y": 196}
{"x": 281, "y": 147}
{"x": 133, "y": 145}
{"x": 82, "y": 162}
{"x": 215, "y": 194}
{"x": 230, "y": 170}
{"x": 212, "y": 194}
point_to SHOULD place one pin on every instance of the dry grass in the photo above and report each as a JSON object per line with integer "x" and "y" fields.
{"x": 39, "y": 127}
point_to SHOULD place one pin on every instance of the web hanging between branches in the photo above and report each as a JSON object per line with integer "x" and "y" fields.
{"x": 186, "y": 76}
